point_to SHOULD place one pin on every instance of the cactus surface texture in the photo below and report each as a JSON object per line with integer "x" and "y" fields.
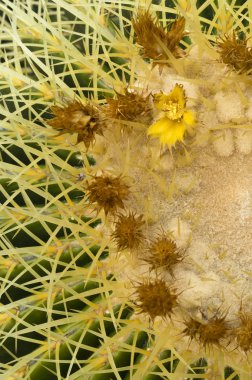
{"x": 125, "y": 190}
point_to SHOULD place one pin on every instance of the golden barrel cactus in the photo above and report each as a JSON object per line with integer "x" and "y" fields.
{"x": 126, "y": 190}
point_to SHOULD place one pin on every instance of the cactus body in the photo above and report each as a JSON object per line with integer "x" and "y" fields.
{"x": 119, "y": 120}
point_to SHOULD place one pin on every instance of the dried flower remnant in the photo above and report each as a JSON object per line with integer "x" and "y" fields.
{"x": 130, "y": 106}
{"x": 192, "y": 328}
{"x": 78, "y": 118}
{"x": 207, "y": 333}
{"x": 108, "y": 192}
{"x": 244, "y": 332}
{"x": 163, "y": 253}
{"x": 155, "y": 39}
{"x": 174, "y": 119}
{"x": 128, "y": 231}
{"x": 236, "y": 54}
{"x": 156, "y": 299}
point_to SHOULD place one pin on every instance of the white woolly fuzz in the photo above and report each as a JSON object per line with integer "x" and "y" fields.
{"x": 204, "y": 64}
{"x": 193, "y": 68}
{"x": 228, "y": 106}
{"x": 155, "y": 158}
{"x": 202, "y": 263}
{"x": 181, "y": 232}
{"x": 244, "y": 140}
{"x": 223, "y": 142}
{"x": 166, "y": 162}
{"x": 195, "y": 52}
{"x": 151, "y": 78}
{"x": 202, "y": 137}
{"x": 208, "y": 119}
{"x": 199, "y": 291}
{"x": 186, "y": 182}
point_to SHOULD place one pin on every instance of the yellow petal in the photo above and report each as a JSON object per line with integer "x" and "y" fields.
{"x": 160, "y": 126}
{"x": 178, "y": 95}
{"x": 168, "y": 131}
{"x": 160, "y": 100}
{"x": 174, "y": 134}
{"x": 189, "y": 118}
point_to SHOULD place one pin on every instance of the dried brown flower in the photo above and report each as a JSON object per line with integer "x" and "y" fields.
{"x": 78, "y": 118}
{"x": 163, "y": 253}
{"x": 236, "y": 54}
{"x": 208, "y": 333}
{"x": 108, "y": 192}
{"x": 155, "y": 39}
{"x": 129, "y": 106}
{"x": 155, "y": 298}
{"x": 128, "y": 231}
{"x": 192, "y": 328}
{"x": 244, "y": 332}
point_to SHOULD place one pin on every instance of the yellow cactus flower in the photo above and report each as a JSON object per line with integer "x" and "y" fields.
{"x": 175, "y": 119}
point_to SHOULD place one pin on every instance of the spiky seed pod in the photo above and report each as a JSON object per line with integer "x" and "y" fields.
{"x": 75, "y": 117}
{"x": 211, "y": 332}
{"x": 192, "y": 328}
{"x": 244, "y": 332}
{"x": 155, "y": 39}
{"x": 108, "y": 192}
{"x": 128, "y": 231}
{"x": 236, "y": 54}
{"x": 129, "y": 106}
{"x": 156, "y": 299}
{"x": 163, "y": 253}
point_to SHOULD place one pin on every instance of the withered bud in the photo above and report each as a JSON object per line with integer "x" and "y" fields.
{"x": 192, "y": 328}
{"x": 76, "y": 117}
{"x": 155, "y": 39}
{"x": 130, "y": 106}
{"x": 244, "y": 332}
{"x": 156, "y": 298}
{"x": 207, "y": 333}
{"x": 128, "y": 231}
{"x": 236, "y": 54}
{"x": 108, "y": 192}
{"x": 163, "y": 253}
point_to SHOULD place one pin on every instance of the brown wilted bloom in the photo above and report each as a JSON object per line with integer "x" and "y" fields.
{"x": 244, "y": 332}
{"x": 192, "y": 328}
{"x": 129, "y": 106}
{"x": 207, "y": 333}
{"x": 163, "y": 253}
{"x": 108, "y": 192}
{"x": 78, "y": 118}
{"x": 236, "y": 54}
{"x": 128, "y": 231}
{"x": 155, "y": 298}
{"x": 155, "y": 39}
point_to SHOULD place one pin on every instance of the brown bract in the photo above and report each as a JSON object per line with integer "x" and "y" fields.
{"x": 129, "y": 106}
{"x": 155, "y": 39}
{"x": 236, "y": 54}
{"x": 244, "y": 332}
{"x": 155, "y": 298}
{"x": 108, "y": 192}
{"x": 128, "y": 231}
{"x": 208, "y": 333}
{"x": 76, "y": 117}
{"x": 163, "y": 253}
